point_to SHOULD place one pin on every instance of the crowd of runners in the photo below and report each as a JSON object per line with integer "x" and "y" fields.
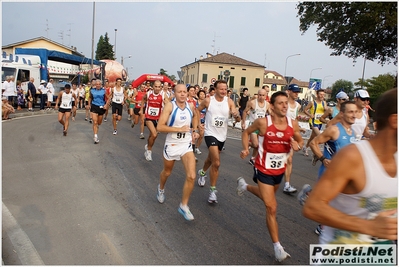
{"x": 355, "y": 197}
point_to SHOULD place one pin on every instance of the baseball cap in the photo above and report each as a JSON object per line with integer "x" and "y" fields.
{"x": 43, "y": 81}
{"x": 341, "y": 95}
{"x": 362, "y": 94}
{"x": 294, "y": 88}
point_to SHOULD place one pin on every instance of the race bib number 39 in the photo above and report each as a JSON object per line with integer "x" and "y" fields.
{"x": 218, "y": 121}
{"x": 276, "y": 161}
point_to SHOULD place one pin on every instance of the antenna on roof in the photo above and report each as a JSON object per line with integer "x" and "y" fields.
{"x": 214, "y": 42}
{"x": 69, "y": 33}
{"x": 47, "y": 28}
{"x": 61, "y": 35}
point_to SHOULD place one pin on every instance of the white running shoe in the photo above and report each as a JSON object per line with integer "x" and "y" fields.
{"x": 289, "y": 189}
{"x": 201, "y": 178}
{"x": 142, "y": 136}
{"x": 161, "y": 195}
{"x": 185, "y": 211}
{"x": 280, "y": 254}
{"x": 96, "y": 141}
{"x": 115, "y": 132}
{"x": 212, "y": 196}
{"x": 305, "y": 151}
{"x": 303, "y": 194}
{"x": 198, "y": 151}
{"x": 240, "y": 186}
{"x": 147, "y": 155}
{"x": 105, "y": 119}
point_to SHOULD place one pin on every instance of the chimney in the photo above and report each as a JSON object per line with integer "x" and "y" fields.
{"x": 201, "y": 57}
{"x": 208, "y": 55}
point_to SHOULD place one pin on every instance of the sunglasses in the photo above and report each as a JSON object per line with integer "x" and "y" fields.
{"x": 364, "y": 98}
{"x": 343, "y": 99}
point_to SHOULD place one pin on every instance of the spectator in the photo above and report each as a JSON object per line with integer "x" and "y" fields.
{"x": 31, "y": 94}
{"x": 6, "y": 109}
{"x": 20, "y": 96}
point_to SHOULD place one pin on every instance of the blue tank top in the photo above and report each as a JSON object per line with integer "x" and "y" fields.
{"x": 98, "y": 97}
{"x": 335, "y": 112}
{"x": 333, "y": 146}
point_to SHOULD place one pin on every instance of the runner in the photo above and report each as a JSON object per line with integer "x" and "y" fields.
{"x": 315, "y": 109}
{"x": 219, "y": 107}
{"x": 201, "y": 96}
{"x": 277, "y": 135}
{"x": 97, "y": 106}
{"x": 334, "y": 111}
{"x": 107, "y": 87}
{"x": 257, "y": 108}
{"x": 356, "y": 198}
{"x": 176, "y": 120}
{"x": 118, "y": 97}
{"x": 154, "y": 104}
{"x": 131, "y": 94}
{"x": 81, "y": 96}
{"x": 64, "y": 112}
{"x": 90, "y": 85}
{"x": 191, "y": 99}
{"x": 137, "y": 115}
{"x": 75, "y": 92}
{"x": 334, "y": 138}
{"x": 292, "y": 112}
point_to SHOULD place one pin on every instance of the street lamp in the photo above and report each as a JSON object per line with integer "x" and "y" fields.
{"x": 312, "y": 71}
{"x": 285, "y": 68}
{"x": 322, "y": 82}
{"x": 115, "y": 43}
{"x": 124, "y": 58}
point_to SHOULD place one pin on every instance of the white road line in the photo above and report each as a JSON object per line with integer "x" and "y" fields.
{"x": 26, "y": 252}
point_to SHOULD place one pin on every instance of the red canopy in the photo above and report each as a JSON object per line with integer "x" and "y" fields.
{"x": 151, "y": 77}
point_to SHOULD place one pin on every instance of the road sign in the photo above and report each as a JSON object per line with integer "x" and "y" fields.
{"x": 213, "y": 80}
{"x": 288, "y": 79}
{"x": 180, "y": 74}
{"x": 227, "y": 73}
{"x": 315, "y": 84}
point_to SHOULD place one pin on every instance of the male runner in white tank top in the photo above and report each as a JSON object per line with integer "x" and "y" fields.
{"x": 257, "y": 108}
{"x": 219, "y": 107}
{"x": 357, "y": 196}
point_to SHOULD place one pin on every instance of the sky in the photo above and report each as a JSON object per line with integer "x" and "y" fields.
{"x": 170, "y": 35}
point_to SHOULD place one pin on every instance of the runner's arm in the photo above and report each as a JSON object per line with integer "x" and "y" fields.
{"x": 329, "y": 133}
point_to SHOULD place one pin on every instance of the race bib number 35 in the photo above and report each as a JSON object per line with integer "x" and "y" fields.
{"x": 276, "y": 161}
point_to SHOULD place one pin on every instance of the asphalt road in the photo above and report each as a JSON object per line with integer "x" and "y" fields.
{"x": 78, "y": 203}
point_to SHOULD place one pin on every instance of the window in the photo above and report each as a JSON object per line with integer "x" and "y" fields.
{"x": 243, "y": 81}
{"x": 220, "y": 77}
{"x": 232, "y": 68}
{"x": 23, "y": 75}
{"x": 204, "y": 78}
{"x": 244, "y": 69}
{"x": 257, "y": 82}
{"x": 220, "y": 67}
{"x": 231, "y": 82}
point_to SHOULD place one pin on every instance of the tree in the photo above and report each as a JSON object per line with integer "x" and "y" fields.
{"x": 164, "y": 73}
{"x": 341, "y": 85}
{"x": 104, "y": 49}
{"x": 376, "y": 86}
{"x": 354, "y": 29}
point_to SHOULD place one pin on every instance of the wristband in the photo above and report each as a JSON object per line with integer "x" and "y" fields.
{"x": 196, "y": 131}
{"x": 322, "y": 158}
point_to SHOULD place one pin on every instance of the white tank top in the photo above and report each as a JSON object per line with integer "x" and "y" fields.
{"x": 380, "y": 193}
{"x": 66, "y": 100}
{"x": 216, "y": 118}
{"x": 360, "y": 124}
{"x": 178, "y": 118}
{"x": 117, "y": 96}
{"x": 293, "y": 112}
{"x": 76, "y": 92}
{"x": 258, "y": 112}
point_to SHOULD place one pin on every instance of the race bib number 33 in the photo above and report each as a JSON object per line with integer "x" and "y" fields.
{"x": 276, "y": 161}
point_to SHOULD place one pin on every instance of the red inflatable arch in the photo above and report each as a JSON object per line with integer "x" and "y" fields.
{"x": 151, "y": 77}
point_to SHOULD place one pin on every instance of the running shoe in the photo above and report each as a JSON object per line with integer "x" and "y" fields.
{"x": 201, "y": 178}
{"x": 105, "y": 118}
{"x": 289, "y": 189}
{"x": 305, "y": 151}
{"x": 241, "y": 186}
{"x": 303, "y": 194}
{"x": 128, "y": 118}
{"x": 132, "y": 125}
{"x": 280, "y": 254}
{"x": 161, "y": 195}
{"x": 252, "y": 162}
{"x": 314, "y": 160}
{"x": 73, "y": 118}
{"x": 198, "y": 151}
{"x": 147, "y": 155}
{"x": 142, "y": 136}
{"x": 185, "y": 211}
{"x": 86, "y": 119}
{"x": 319, "y": 229}
{"x": 212, "y": 196}
{"x": 65, "y": 133}
{"x": 96, "y": 141}
{"x": 146, "y": 147}
{"x": 91, "y": 121}
{"x": 115, "y": 132}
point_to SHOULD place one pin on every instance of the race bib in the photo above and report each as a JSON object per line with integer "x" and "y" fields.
{"x": 118, "y": 100}
{"x": 153, "y": 111}
{"x": 276, "y": 161}
{"x": 318, "y": 116}
{"x": 64, "y": 104}
{"x": 218, "y": 121}
{"x": 179, "y": 136}
{"x": 260, "y": 115}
